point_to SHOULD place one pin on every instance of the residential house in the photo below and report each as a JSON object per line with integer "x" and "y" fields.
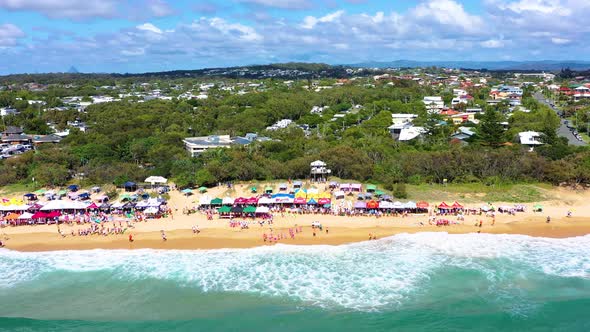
{"x": 434, "y": 104}
{"x": 5, "y": 111}
{"x": 197, "y": 145}
{"x": 530, "y": 139}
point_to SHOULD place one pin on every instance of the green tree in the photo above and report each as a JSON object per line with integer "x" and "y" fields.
{"x": 491, "y": 131}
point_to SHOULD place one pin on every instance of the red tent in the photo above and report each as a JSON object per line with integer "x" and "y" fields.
{"x": 53, "y": 214}
{"x": 252, "y": 201}
{"x": 456, "y": 205}
{"x": 324, "y": 201}
{"x": 39, "y": 215}
{"x": 241, "y": 201}
{"x": 92, "y": 206}
{"x": 422, "y": 205}
{"x": 444, "y": 206}
{"x": 372, "y": 205}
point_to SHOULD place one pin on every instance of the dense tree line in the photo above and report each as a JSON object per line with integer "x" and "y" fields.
{"x": 130, "y": 141}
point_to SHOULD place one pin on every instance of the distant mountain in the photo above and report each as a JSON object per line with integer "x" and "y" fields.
{"x": 73, "y": 70}
{"x": 548, "y": 65}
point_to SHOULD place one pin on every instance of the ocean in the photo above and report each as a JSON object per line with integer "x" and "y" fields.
{"x": 408, "y": 282}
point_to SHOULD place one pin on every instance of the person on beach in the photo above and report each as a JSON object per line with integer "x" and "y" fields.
{"x": 1, "y": 244}
{"x": 130, "y": 237}
{"x": 164, "y": 238}
{"x": 548, "y": 219}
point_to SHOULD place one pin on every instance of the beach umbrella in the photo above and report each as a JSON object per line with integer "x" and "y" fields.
{"x": 202, "y": 189}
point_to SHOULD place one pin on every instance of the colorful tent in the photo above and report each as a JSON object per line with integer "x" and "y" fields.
{"x": 299, "y": 200}
{"x": 252, "y": 201}
{"x": 324, "y": 201}
{"x": 224, "y": 209}
{"x": 444, "y": 206}
{"x": 241, "y": 201}
{"x": 262, "y": 209}
{"x": 360, "y": 205}
{"x": 456, "y": 205}
{"x": 202, "y": 189}
{"x": 250, "y": 209}
{"x": 12, "y": 216}
{"x": 268, "y": 190}
{"x": 371, "y": 187}
{"x": 92, "y": 206}
{"x": 312, "y": 202}
{"x": 422, "y": 205}
{"x": 372, "y": 205}
{"x": 253, "y": 190}
{"x": 379, "y": 193}
{"x": 216, "y": 201}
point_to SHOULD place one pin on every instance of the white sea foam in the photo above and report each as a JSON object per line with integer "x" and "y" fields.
{"x": 360, "y": 276}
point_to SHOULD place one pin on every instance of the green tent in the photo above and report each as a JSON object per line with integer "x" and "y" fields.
{"x": 62, "y": 192}
{"x": 538, "y": 208}
{"x": 203, "y": 189}
{"x": 250, "y": 209}
{"x": 254, "y": 189}
{"x": 40, "y": 192}
{"x": 371, "y": 187}
{"x": 216, "y": 201}
{"x": 268, "y": 189}
{"x": 187, "y": 191}
{"x": 379, "y": 193}
{"x": 224, "y": 209}
{"x": 125, "y": 196}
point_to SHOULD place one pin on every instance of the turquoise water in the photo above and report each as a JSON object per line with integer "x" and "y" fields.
{"x": 427, "y": 281}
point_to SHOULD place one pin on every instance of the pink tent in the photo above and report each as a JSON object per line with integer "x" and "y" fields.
{"x": 241, "y": 201}
{"x": 252, "y": 201}
{"x": 53, "y": 214}
{"x": 323, "y": 201}
{"x": 39, "y": 215}
{"x": 92, "y": 206}
{"x": 299, "y": 200}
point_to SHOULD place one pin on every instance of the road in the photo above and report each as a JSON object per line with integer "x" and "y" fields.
{"x": 563, "y": 130}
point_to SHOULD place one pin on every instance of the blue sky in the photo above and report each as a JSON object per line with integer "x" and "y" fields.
{"x": 154, "y": 35}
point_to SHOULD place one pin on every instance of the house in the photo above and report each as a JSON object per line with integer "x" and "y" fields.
{"x": 434, "y": 104}
{"x": 10, "y": 131}
{"x": 530, "y": 139}
{"x": 197, "y": 145}
{"x": 5, "y": 111}
{"x": 400, "y": 121}
{"x": 42, "y": 139}
{"x": 581, "y": 92}
{"x": 462, "y": 118}
{"x": 410, "y": 133}
{"x": 462, "y": 135}
{"x": 281, "y": 124}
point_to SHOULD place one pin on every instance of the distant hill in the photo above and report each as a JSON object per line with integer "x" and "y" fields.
{"x": 73, "y": 70}
{"x": 548, "y": 65}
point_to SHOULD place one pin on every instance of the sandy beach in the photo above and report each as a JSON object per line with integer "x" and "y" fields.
{"x": 217, "y": 233}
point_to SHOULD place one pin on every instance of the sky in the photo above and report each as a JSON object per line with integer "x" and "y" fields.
{"x": 157, "y": 35}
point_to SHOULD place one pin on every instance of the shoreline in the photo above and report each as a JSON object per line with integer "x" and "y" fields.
{"x": 224, "y": 238}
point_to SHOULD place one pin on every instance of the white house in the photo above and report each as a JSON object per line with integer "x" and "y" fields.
{"x": 408, "y": 134}
{"x": 434, "y": 104}
{"x": 530, "y": 138}
{"x": 281, "y": 124}
{"x": 4, "y": 111}
{"x": 197, "y": 145}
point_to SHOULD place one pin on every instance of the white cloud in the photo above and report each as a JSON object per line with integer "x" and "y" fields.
{"x": 448, "y": 13}
{"x": 9, "y": 34}
{"x": 149, "y": 27}
{"x": 310, "y": 21}
{"x": 560, "y": 41}
{"x": 71, "y": 9}
{"x": 492, "y": 43}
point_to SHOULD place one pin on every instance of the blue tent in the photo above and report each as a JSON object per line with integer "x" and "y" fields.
{"x": 130, "y": 186}
{"x": 73, "y": 187}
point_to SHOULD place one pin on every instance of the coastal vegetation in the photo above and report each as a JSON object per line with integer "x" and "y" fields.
{"x": 130, "y": 140}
